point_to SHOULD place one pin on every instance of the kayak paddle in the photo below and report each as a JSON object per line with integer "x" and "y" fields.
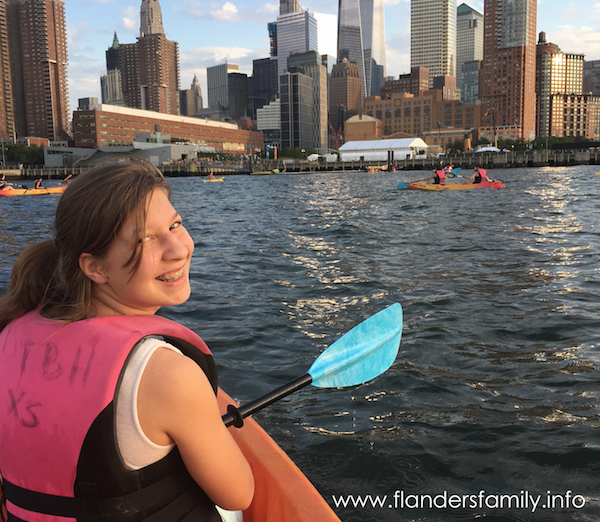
{"x": 360, "y": 355}
{"x": 403, "y": 184}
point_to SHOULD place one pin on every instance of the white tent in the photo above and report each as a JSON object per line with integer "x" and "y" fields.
{"x": 487, "y": 149}
{"x": 377, "y": 150}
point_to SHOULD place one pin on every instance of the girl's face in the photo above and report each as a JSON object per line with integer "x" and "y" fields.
{"x": 162, "y": 278}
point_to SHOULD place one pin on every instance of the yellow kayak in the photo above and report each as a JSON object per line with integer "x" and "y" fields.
{"x": 214, "y": 179}
{"x": 282, "y": 492}
{"x": 33, "y": 192}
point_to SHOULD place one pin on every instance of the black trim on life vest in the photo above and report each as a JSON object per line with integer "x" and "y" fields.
{"x": 90, "y": 504}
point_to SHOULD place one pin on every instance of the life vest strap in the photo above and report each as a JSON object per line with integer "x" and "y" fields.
{"x": 92, "y": 508}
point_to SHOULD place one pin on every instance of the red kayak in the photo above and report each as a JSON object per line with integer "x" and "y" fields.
{"x": 416, "y": 185}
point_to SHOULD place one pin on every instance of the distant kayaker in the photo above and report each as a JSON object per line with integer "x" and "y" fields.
{"x": 438, "y": 177}
{"x": 105, "y": 408}
{"x": 37, "y": 184}
{"x": 5, "y": 185}
{"x": 211, "y": 176}
{"x": 479, "y": 176}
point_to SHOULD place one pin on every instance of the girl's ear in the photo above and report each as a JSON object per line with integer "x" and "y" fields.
{"x": 92, "y": 267}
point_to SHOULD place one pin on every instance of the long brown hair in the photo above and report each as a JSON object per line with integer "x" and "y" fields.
{"x": 89, "y": 216}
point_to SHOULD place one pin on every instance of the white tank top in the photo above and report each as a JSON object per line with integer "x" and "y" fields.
{"x": 137, "y": 450}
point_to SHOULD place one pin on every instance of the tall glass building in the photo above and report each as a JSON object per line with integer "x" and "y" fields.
{"x": 361, "y": 39}
{"x": 296, "y": 33}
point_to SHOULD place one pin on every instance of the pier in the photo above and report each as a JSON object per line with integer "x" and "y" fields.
{"x": 465, "y": 161}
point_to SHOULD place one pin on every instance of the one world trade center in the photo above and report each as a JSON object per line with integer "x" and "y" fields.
{"x": 361, "y": 39}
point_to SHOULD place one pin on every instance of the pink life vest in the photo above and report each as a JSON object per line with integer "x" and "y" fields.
{"x": 442, "y": 175}
{"x": 480, "y": 177}
{"x": 55, "y": 380}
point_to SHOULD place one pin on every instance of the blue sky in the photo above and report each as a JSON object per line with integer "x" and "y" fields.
{"x": 209, "y": 33}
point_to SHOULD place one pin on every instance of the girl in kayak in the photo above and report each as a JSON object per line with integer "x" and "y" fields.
{"x": 438, "y": 177}
{"x": 479, "y": 176}
{"x": 105, "y": 408}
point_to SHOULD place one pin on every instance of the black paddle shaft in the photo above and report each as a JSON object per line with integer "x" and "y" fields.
{"x": 236, "y": 416}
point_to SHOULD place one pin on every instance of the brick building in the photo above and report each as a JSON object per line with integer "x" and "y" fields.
{"x": 107, "y": 125}
{"x": 509, "y": 61}
{"x": 33, "y": 61}
{"x": 407, "y": 115}
{"x": 417, "y": 83}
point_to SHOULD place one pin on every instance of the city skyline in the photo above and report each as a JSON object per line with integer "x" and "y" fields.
{"x": 210, "y": 34}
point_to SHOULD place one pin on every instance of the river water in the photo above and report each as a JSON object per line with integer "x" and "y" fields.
{"x": 495, "y": 390}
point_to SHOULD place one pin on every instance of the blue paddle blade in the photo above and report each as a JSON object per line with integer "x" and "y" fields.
{"x": 363, "y": 353}
{"x": 457, "y": 170}
{"x": 403, "y": 184}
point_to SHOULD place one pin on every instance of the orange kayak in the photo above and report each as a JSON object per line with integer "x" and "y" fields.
{"x": 282, "y": 492}
{"x": 33, "y": 192}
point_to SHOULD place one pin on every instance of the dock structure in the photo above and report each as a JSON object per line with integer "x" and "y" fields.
{"x": 265, "y": 167}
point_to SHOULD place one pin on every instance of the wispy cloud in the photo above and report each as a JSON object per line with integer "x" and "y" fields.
{"x": 130, "y": 21}
{"x": 580, "y": 40}
{"x": 571, "y": 12}
{"x": 227, "y": 12}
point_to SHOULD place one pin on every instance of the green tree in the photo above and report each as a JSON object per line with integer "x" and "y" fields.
{"x": 542, "y": 142}
{"x": 21, "y": 153}
{"x": 456, "y": 147}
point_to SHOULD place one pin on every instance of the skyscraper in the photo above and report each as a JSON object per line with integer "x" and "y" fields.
{"x": 237, "y": 95}
{"x": 344, "y": 93}
{"x": 311, "y": 64}
{"x": 262, "y": 85}
{"x": 190, "y": 100}
{"x": 433, "y": 36}
{"x": 159, "y": 74}
{"x": 373, "y": 35}
{"x": 216, "y": 80}
{"x": 361, "y": 39}
{"x": 557, "y": 73}
{"x": 7, "y": 112}
{"x": 509, "y": 51}
{"x": 35, "y": 32}
{"x": 350, "y": 44}
{"x": 591, "y": 77}
{"x": 150, "y": 18}
{"x": 288, "y": 6}
{"x": 469, "y": 43}
{"x": 111, "y": 88}
{"x": 149, "y": 68}
{"x": 296, "y": 33}
{"x": 296, "y": 110}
